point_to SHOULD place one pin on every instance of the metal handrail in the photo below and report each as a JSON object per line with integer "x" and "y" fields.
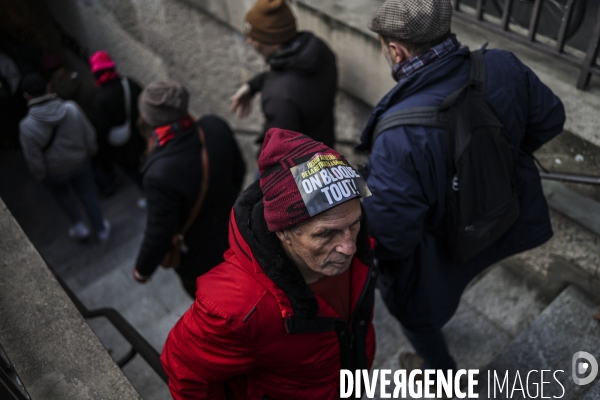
{"x": 139, "y": 345}
{"x": 568, "y": 177}
{"x": 11, "y": 387}
{"x": 551, "y": 176}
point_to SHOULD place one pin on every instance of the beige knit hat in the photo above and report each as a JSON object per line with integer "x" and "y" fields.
{"x": 413, "y": 21}
{"x": 270, "y": 22}
{"x": 162, "y": 103}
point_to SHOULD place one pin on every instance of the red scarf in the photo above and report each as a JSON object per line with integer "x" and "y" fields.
{"x": 109, "y": 75}
{"x": 165, "y": 133}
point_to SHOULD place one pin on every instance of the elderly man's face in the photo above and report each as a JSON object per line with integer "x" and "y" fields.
{"x": 324, "y": 245}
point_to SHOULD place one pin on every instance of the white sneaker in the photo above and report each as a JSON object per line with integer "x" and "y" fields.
{"x": 104, "y": 234}
{"x": 79, "y": 231}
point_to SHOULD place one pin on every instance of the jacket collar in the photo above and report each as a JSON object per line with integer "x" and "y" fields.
{"x": 408, "y": 86}
{"x": 183, "y": 141}
{"x": 41, "y": 99}
{"x": 261, "y": 252}
{"x": 290, "y": 51}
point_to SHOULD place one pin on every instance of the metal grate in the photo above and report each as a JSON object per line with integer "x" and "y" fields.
{"x": 568, "y": 16}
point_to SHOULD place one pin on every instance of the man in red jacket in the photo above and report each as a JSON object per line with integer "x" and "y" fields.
{"x": 293, "y": 302}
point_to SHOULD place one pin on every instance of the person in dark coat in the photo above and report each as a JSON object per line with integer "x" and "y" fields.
{"x": 408, "y": 167}
{"x": 298, "y": 91}
{"x": 173, "y": 176}
{"x": 108, "y": 112}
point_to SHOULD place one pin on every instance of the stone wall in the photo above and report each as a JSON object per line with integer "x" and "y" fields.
{"x": 52, "y": 348}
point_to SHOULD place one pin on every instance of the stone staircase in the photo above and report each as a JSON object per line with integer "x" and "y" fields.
{"x": 533, "y": 311}
{"x": 564, "y": 328}
{"x": 504, "y": 323}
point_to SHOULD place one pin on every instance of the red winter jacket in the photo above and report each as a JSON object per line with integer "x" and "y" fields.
{"x": 256, "y": 330}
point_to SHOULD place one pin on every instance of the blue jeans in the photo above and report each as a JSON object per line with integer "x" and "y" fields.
{"x": 432, "y": 347}
{"x": 80, "y": 181}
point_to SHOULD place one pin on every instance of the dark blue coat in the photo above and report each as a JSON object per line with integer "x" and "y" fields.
{"x": 407, "y": 176}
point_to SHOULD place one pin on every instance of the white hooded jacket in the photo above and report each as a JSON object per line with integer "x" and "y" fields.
{"x": 75, "y": 139}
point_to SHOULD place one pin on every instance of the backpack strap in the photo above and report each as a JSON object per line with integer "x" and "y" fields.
{"x": 422, "y": 116}
{"x": 478, "y": 72}
{"x": 476, "y": 81}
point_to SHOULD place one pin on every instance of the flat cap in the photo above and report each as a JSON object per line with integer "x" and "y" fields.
{"x": 413, "y": 21}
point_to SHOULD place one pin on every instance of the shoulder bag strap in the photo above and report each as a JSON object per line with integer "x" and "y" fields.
{"x": 203, "y": 187}
{"x": 127, "y": 97}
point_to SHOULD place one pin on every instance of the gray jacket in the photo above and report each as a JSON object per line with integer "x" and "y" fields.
{"x": 75, "y": 139}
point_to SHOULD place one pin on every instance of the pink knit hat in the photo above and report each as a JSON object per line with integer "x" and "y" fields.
{"x": 101, "y": 60}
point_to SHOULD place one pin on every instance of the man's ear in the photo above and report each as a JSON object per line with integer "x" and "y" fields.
{"x": 284, "y": 236}
{"x": 398, "y": 52}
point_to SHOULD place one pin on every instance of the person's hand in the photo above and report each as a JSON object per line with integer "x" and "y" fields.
{"x": 140, "y": 278}
{"x": 241, "y": 101}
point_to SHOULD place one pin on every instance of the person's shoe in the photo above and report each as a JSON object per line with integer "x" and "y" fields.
{"x": 104, "y": 234}
{"x": 410, "y": 361}
{"x": 142, "y": 203}
{"x": 79, "y": 232}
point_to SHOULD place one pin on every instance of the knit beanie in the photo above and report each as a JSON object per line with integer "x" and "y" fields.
{"x": 101, "y": 60}
{"x": 300, "y": 178}
{"x": 162, "y": 103}
{"x": 270, "y": 22}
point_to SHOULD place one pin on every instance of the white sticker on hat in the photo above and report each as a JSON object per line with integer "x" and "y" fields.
{"x": 327, "y": 180}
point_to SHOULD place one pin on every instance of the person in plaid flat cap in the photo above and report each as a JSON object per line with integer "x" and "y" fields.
{"x": 292, "y": 303}
{"x": 408, "y": 169}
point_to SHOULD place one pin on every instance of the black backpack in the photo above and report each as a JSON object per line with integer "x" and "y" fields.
{"x": 482, "y": 200}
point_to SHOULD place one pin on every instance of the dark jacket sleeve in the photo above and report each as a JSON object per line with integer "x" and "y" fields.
{"x": 256, "y": 83}
{"x": 398, "y": 206}
{"x": 546, "y": 113}
{"x": 164, "y": 205}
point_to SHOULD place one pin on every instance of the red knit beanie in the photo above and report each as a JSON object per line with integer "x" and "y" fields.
{"x": 270, "y": 22}
{"x": 300, "y": 178}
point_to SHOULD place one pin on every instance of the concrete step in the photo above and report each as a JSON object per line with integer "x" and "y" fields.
{"x": 570, "y": 257}
{"x": 564, "y": 328}
{"x": 495, "y": 308}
